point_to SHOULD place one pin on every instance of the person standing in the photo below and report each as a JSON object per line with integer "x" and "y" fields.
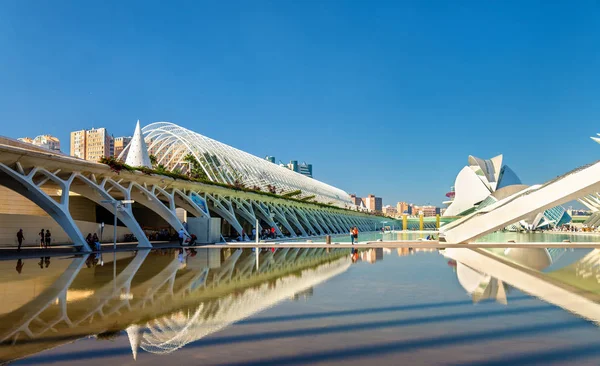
{"x": 352, "y": 235}
{"x": 273, "y": 233}
{"x": 181, "y": 235}
{"x": 20, "y": 238}
{"x": 48, "y": 239}
{"x": 96, "y": 242}
{"x": 42, "y": 239}
{"x": 356, "y": 235}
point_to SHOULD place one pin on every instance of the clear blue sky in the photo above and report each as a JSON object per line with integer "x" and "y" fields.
{"x": 384, "y": 97}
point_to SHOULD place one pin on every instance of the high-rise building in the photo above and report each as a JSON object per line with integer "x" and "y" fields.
{"x": 402, "y": 207}
{"x": 305, "y": 169}
{"x": 302, "y": 168}
{"x": 270, "y": 158}
{"x": 46, "y": 141}
{"x": 78, "y": 145}
{"x": 92, "y": 144}
{"x": 356, "y": 200}
{"x": 120, "y": 144}
{"x": 373, "y": 204}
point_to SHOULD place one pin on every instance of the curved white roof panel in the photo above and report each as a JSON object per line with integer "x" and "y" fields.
{"x": 222, "y": 163}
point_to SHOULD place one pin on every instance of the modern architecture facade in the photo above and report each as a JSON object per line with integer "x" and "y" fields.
{"x": 92, "y": 144}
{"x": 170, "y": 144}
{"x": 46, "y": 141}
{"x": 483, "y": 185}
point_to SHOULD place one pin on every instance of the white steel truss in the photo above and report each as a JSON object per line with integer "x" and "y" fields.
{"x": 222, "y": 163}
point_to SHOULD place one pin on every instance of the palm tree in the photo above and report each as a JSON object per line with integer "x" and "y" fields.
{"x": 153, "y": 160}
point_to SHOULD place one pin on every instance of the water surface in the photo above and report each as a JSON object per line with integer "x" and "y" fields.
{"x": 303, "y": 306}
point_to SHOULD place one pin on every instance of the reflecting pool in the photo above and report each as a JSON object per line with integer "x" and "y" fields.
{"x": 296, "y": 306}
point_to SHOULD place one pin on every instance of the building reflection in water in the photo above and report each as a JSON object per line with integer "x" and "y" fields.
{"x": 163, "y": 299}
{"x": 567, "y": 278}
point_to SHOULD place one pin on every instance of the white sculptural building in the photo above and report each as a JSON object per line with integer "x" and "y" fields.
{"x": 138, "y": 151}
{"x": 479, "y": 180}
{"x": 484, "y": 182}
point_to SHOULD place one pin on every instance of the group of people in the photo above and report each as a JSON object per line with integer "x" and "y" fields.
{"x": 45, "y": 238}
{"x": 264, "y": 234}
{"x": 93, "y": 241}
{"x": 354, "y": 235}
{"x": 190, "y": 240}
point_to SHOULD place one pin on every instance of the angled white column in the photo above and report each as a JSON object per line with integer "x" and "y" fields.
{"x": 293, "y": 220}
{"x": 282, "y": 220}
{"x": 224, "y": 209}
{"x": 97, "y": 193}
{"x": 262, "y": 211}
{"x": 300, "y": 214}
{"x": 147, "y": 198}
{"x": 59, "y": 211}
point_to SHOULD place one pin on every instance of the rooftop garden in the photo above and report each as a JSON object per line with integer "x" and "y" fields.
{"x": 196, "y": 174}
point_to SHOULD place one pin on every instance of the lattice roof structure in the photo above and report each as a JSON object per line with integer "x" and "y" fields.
{"x": 170, "y": 144}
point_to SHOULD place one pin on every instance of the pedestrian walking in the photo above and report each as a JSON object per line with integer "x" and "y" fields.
{"x": 20, "y": 238}
{"x": 48, "y": 239}
{"x": 42, "y": 239}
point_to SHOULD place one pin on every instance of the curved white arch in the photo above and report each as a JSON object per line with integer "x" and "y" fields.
{"x": 225, "y": 164}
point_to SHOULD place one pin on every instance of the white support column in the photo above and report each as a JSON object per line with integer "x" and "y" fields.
{"x": 147, "y": 198}
{"x": 99, "y": 193}
{"x": 282, "y": 220}
{"x": 334, "y": 221}
{"x": 59, "y": 211}
{"x": 244, "y": 210}
{"x": 264, "y": 213}
{"x": 294, "y": 220}
{"x": 310, "y": 216}
{"x": 224, "y": 208}
{"x": 300, "y": 213}
{"x": 324, "y": 222}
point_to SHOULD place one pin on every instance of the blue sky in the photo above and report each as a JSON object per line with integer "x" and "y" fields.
{"x": 383, "y": 97}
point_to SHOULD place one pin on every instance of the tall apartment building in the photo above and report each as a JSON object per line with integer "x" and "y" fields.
{"x": 373, "y": 203}
{"x": 402, "y": 207}
{"x": 120, "y": 144}
{"x": 46, "y": 141}
{"x": 355, "y": 200}
{"x": 270, "y": 158}
{"x": 92, "y": 144}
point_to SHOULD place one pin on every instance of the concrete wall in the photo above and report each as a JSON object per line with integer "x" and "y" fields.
{"x": 32, "y": 225}
{"x": 11, "y": 202}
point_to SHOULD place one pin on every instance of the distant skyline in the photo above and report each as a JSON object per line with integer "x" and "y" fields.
{"x": 382, "y": 97}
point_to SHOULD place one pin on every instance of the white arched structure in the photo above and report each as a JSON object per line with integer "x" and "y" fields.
{"x": 222, "y": 163}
